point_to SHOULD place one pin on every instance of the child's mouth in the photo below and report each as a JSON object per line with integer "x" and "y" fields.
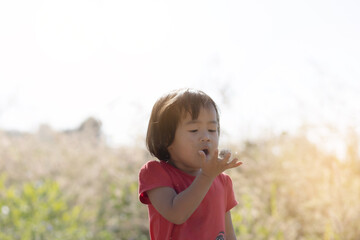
{"x": 206, "y": 151}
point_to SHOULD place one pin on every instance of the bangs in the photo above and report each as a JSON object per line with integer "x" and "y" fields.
{"x": 192, "y": 104}
{"x": 190, "y": 101}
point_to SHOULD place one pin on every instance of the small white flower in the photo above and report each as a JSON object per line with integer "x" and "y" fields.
{"x": 5, "y": 210}
{"x": 49, "y": 227}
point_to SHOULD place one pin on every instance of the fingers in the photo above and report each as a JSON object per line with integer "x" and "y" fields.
{"x": 230, "y": 163}
{"x": 213, "y": 164}
{"x": 234, "y": 163}
{"x": 223, "y": 159}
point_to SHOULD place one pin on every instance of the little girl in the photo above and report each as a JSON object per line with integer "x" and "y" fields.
{"x": 187, "y": 194}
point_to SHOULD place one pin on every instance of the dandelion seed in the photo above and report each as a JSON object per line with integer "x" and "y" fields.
{"x": 223, "y": 153}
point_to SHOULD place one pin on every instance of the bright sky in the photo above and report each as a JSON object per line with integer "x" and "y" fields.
{"x": 278, "y": 63}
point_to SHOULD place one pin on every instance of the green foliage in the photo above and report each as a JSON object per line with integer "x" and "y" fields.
{"x": 246, "y": 225}
{"x": 36, "y": 211}
{"x": 119, "y": 213}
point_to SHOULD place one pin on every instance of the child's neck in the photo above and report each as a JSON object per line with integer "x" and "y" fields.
{"x": 190, "y": 171}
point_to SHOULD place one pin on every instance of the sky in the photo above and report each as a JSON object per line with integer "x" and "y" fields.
{"x": 271, "y": 66}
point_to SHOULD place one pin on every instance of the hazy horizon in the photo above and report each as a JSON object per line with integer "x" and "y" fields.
{"x": 270, "y": 66}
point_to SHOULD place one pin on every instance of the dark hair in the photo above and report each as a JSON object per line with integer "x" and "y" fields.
{"x": 166, "y": 114}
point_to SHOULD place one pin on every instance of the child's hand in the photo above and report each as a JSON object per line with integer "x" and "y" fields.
{"x": 214, "y": 165}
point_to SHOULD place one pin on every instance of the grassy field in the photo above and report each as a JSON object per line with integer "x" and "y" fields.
{"x": 73, "y": 186}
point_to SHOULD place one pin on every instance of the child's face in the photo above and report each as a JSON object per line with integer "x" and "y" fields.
{"x": 192, "y": 136}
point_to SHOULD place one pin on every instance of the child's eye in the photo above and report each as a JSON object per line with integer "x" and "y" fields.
{"x": 212, "y": 130}
{"x": 194, "y": 130}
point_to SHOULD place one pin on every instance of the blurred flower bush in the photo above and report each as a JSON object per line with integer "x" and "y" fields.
{"x": 38, "y": 211}
{"x": 69, "y": 185}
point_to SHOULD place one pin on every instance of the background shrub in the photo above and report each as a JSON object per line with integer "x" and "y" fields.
{"x": 69, "y": 186}
{"x": 38, "y": 211}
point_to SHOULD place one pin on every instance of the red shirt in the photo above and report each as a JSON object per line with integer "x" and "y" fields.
{"x": 208, "y": 220}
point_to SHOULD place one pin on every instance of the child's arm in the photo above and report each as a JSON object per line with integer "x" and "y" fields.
{"x": 177, "y": 208}
{"x": 229, "y": 229}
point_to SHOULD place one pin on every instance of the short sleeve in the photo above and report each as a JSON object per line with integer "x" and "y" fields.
{"x": 230, "y": 196}
{"x": 152, "y": 175}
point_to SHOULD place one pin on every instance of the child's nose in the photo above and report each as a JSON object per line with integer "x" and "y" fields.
{"x": 205, "y": 137}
